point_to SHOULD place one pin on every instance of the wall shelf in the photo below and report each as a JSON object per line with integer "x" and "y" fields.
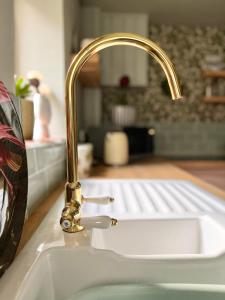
{"x": 214, "y": 99}
{"x": 213, "y": 91}
{"x": 213, "y": 74}
{"x": 89, "y": 75}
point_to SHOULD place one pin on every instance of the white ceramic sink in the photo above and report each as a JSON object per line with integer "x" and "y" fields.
{"x": 169, "y": 232}
{"x": 85, "y": 273}
{"x": 176, "y": 237}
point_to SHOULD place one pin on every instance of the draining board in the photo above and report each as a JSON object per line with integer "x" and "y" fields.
{"x": 137, "y": 198}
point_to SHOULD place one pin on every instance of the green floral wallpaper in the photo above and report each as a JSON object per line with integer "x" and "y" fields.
{"x": 187, "y": 47}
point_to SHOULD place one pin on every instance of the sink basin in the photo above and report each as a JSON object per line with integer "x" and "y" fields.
{"x": 131, "y": 261}
{"x": 156, "y": 241}
{"x": 200, "y": 237}
{"x": 86, "y": 273}
{"x": 144, "y": 292}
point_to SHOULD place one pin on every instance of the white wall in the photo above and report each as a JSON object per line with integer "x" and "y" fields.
{"x": 7, "y": 43}
{"x": 39, "y": 45}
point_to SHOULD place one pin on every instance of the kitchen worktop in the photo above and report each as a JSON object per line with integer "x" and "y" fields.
{"x": 145, "y": 169}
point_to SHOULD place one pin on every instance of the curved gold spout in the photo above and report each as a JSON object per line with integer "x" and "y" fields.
{"x": 71, "y": 213}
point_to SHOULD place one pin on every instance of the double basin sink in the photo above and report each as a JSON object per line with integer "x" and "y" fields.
{"x": 165, "y": 256}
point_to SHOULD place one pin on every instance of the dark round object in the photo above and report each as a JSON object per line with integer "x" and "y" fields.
{"x": 13, "y": 180}
{"x": 124, "y": 81}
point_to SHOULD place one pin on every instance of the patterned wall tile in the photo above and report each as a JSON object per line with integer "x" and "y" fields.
{"x": 187, "y": 47}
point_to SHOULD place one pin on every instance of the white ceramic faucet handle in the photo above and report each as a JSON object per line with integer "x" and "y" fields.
{"x": 99, "y": 200}
{"x": 103, "y": 222}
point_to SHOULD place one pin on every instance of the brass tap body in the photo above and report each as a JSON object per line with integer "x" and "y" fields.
{"x": 70, "y": 220}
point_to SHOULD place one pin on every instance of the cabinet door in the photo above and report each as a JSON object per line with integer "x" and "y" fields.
{"x": 124, "y": 60}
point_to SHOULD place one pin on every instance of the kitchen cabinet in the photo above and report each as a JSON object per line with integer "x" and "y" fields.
{"x": 118, "y": 61}
{"x": 124, "y": 60}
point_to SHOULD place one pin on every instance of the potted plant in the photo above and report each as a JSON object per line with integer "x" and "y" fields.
{"x": 123, "y": 114}
{"x": 23, "y": 91}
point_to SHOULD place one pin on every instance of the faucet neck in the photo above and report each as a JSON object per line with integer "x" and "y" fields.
{"x": 79, "y": 60}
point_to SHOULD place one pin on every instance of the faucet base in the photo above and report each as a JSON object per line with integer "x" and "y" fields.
{"x": 75, "y": 228}
{"x": 70, "y": 219}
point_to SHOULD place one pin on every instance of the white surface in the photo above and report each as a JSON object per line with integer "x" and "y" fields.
{"x": 59, "y": 273}
{"x": 55, "y": 265}
{"x": 46, "y": 169}
{"x": 147, "y": 198}
{"x": 102, "y": 222}
{"x": 43, "y": 46}
{"x": 186, "y": 237}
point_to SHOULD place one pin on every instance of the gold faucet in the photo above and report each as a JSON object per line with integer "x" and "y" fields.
{"x": 71, "y": 220}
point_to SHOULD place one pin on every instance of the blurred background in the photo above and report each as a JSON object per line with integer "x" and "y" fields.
{"x": 123, "y": 97}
